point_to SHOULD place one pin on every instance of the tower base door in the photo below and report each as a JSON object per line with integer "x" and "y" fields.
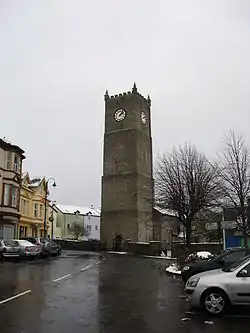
{"x": 118, "y": 243}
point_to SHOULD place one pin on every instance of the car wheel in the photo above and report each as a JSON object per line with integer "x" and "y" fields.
{"x": 215, "y": 302}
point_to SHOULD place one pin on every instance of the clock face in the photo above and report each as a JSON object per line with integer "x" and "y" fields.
{"x": 120, "y": 114}
{"x": 143, "y": 117}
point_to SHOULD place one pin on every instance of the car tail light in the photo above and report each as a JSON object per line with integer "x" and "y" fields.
{"x": 26, "y": 249}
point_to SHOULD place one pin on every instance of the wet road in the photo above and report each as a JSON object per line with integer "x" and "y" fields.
{"x": 80, "y": 292}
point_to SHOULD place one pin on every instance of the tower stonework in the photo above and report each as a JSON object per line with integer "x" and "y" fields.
{"x": 127, "y": 182}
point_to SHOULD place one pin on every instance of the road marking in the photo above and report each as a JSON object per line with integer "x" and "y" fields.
{"x": 85, "y": 268}
{"x": 62, "y": 277}
{"x": 16, "y": 296}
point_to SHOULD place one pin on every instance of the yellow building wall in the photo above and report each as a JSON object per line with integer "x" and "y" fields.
{"x": 32, "y": 208}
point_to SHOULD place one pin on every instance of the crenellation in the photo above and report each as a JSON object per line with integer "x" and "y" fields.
{"x": 134, "y": 92}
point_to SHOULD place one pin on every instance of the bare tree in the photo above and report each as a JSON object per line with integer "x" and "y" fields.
{"x": 186, "y": 183}
{"x": 234, "y": 170}
{"x": 77, "y": 230}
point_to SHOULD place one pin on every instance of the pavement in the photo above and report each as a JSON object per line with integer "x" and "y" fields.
{"x": 87, "y": 292}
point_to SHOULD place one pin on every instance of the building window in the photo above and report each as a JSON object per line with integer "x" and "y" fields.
{"x": 34, "y": 232}
{"x": 41, "y": 211}
{"x": 8, "y": 160}
{"x": 24, "y": 207}
{"x": 96, "y": 227}
{"x": 21, "y": 206}
{"x": 14, "y": 196}
{"x": 23, "y": 232}
{"x": 16, "y": 163}
{"x": 7, "y": 191}
{"x": 10, "y": 195}
{"x": 88, "y": 228}
{"x": 35, "y": 210}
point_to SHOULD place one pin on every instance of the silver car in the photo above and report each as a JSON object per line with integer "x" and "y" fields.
{"x": 8, "y": 249}
{"x": 26, "y": 248}
{"x": 216, "y": 290}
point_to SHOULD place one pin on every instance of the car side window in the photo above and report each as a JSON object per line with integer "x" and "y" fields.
{"x": 9, "y": 243}
{"x": 235, "y": 256}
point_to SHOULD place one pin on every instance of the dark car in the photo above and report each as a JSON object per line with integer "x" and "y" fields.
{"x": 47, "y": 246}
{"x": 226, "y": 258}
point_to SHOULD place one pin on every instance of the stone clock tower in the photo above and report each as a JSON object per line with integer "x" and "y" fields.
{"x": 127, "y": 183}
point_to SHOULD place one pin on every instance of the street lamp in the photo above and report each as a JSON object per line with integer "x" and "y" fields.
{"x": 51, "y": 219}
{"x": 46, "y": 198}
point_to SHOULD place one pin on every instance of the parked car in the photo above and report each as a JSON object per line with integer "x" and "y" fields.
{"x": 47, "y": 246}
{"x": 27, "y": 249}
{"x": 226, "y": 258}
{"x": 216, "y": 290}
{"x": 8, "y": 249}
{"x": 52, "y": 247}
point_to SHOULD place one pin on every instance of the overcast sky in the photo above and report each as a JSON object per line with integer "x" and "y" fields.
{"x": 57, "y": 58}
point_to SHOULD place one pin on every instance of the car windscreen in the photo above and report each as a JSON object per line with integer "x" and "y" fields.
{"x": 24, "y": 243}
{"x": 31, "y": 240}
{"x": 9, "y": 243}
{"x": 236, "y": 265}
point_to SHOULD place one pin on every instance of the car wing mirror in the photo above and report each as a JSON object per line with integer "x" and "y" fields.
{"x": 243, "y": 273}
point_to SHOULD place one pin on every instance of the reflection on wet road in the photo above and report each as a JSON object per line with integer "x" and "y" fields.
{"x": 83, "y": 292}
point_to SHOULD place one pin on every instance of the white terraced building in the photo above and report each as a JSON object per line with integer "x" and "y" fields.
{"x": 66, "y": 215}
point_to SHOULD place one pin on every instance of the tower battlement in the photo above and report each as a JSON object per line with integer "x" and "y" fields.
{"x": 129, "y": 94}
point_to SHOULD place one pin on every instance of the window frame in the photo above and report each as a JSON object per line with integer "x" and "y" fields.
{"x": 10, "y": 195}
{"x": 41, "y": 211}
{"x": 88, "y": 228}
{"x": 24, "y": 207}
{"x": 35, "y": 210}
{"x": 14, "y": 196}
{"x": 16, "y": 163}
{"x": 7, "y": 196}
{"x": 8, "y": 160}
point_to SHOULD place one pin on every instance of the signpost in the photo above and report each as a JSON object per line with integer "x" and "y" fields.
{"x": 211, "y": 226}
{"x": 224, "y": 225}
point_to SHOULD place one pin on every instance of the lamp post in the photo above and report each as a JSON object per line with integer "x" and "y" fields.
{"x": 51, "y": 219}
{"x": 45, "y": 201}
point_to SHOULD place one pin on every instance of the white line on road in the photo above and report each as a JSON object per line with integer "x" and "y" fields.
{"x": 98, "y": 262}
{"x": 16, "y": 296}
{"x": 62, "y": 277}
{"x": 85, "y": 268}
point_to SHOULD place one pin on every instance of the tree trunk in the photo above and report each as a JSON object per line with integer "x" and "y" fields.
{"x": 245, "y": 229}
{"x": 245, "y": 238}
{"x": 188, "y": 234}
